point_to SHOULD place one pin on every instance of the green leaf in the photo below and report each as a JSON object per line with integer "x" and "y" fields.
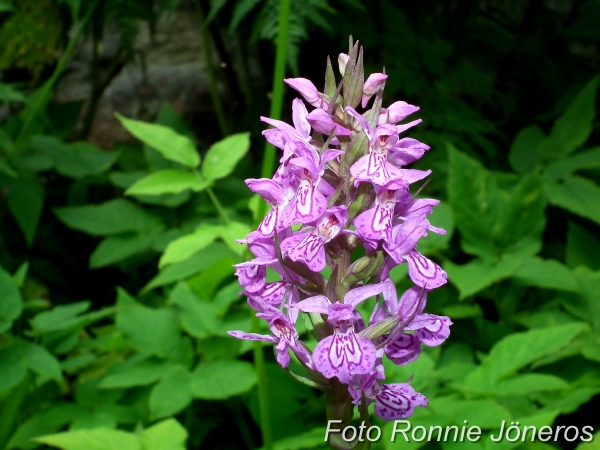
{"x": 12, "y": 368}
{"x": 590, "y": 444}
{"x": 573, "y": 128}
{"x": 42, "y": 362}
{"x": 8, "y": 170}
{"x": 167, "y": 181}
{"x": 589, "y": 159}
{"x": 141, "y": 373}
{"x": 171, "y": 395}
{"x": 25, "y": 201}
{"x": 92, "y": 439}
{"x": 165, "y": 435}
{"x": 530, "y": 382}
{"x": 93, "y": 419}
{"x": 74, "y": 160}
{"x": 576, "y": 194}
{"x": 485, "y": 413}
{"x": 546, "y": 273}
{"x": 475, "y": 276}
{"x": 583, "y": 248}
{"x": 233, "y": 231}
{"x": 222, "y": 379}
{"x": 223, "y": 156}
{"x": 112, "y": 217}
{"x": 59, "y": 318}
{"x": 306, "y": 440}
{"x": 524, "y": 156}
{"x": 170, "y": 144}
{"x": 538, "y": 420}
{"x": 154, "y": 331}
{"x": 117, "y": 248}
{"x": 491, "y": 220}
{"x": 198, "y": 318}
{"x": 21, "y": 274}
{"x": 11, "y": 303}
{"x": 182, "y": 248}
{"x": 44, "y": 423}
{"x": 589, "y": 284}
{"x": 205, "y": 283}
{"x": 518, "y": 350}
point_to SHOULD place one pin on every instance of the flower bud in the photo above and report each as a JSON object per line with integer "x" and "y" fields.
{"x": 380, "y": 328}
{"x": 371, "y": 86}
{"x": 342, "y": 61}
{"x": 363, "y": 268}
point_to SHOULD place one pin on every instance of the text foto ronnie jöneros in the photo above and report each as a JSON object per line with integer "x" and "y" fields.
{"x": 509, "y": 431}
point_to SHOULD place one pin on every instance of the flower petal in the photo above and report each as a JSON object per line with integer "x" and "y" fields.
{"x": 344, "y": 355}
{"x": 397, "y": 401}
{"x": 405, "y": 349}
{"x": 424, "y": 272}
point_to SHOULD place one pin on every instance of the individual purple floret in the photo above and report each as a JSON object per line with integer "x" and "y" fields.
{"x": 343, "y": 213}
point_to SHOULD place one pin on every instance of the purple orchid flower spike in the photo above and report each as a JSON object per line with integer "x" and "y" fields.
{"x": 308, "y": 247}
{"x": 344, "y": 354}
{"x": 285, "y": 336}
{"x": 375, "y": 166}
{"x": 396, "y": 112}
{"x": 401, "y": 248}
{"x": 376, "y": 223}
{"x": 323, "y": 123}
{"x": 307, "y": 89}
{"x": 392, "y": 401}
{"x": 313, "y": 187}
{"x": 371, "y": 86}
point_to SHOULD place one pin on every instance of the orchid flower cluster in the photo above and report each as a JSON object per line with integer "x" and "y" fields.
{"x": 342, "y": 190}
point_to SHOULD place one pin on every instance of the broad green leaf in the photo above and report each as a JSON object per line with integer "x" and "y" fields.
{"x": 573, "y": 128}
{"x": 42, "y": 362}
{"x": 576, "y": 194}
{"x": 518, "y": 350}
{"x": 165, "y": 435}
{"x": 491, "y": 220}
{"x": 589, "y": 283}
{"x": 12, "y": 368}
{"x": 484, "y": 413}
{"x": 170, "y": 144}
{"x": 25, "y": 201}
{"x": 530, "y": 382}
{"x": 546, "y": 273}
{"x": 472, "y": 277}
{"x": 182, "y": 248}
{"x": 538, "y": 420}
{"x": 218, "y": 380}
{"x": 399, "y": 441}
{"x": 306, "y": 440}
{"x": 205, "y": 283}
{"x": 11, "y": 303}
{"x": 21, "y": 274}
{"x": 524, "y": 156}
{"x": 149, "y": 330}
{"x": 196, "y": 263}
{"x": 589, "y": 442}
{"x": 112, "y": 217}
{"x": 44, "y": 423}
{"x": 589, "y": 159}
{"x": 233, "y": 231}
{"x": 197, "y": 317}
{"x": 59, "y": 317}
{"x": 171, "y": 394}
{"x": 583, "y": 248}
{"x": 113, "y": 249}
{"x": 139, "y": 374}
{"x": 92, "y": 439}
{"x": 93, "y": 419}
{"x": 74, "y": 160}
{"x": 8, "y": 170}
{"x": 223, "y": 156}
{"x": 168, "y": 181}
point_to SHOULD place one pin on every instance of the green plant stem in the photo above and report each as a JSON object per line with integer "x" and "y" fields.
{"x": 212, "y": 78}
{"x": 279, "y": 73}
{"x": 218, "y": 205}
{"x": 10, "y": 410}
{"x": 45, "y": 92}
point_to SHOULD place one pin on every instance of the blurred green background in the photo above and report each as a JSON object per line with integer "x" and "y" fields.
{"x": 116, "y": 240}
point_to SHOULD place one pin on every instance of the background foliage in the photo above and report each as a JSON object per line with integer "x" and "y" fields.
{"x": 116, "y": 286}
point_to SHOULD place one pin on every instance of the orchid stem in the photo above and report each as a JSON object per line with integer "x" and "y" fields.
{"x": 212, "y": 78}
